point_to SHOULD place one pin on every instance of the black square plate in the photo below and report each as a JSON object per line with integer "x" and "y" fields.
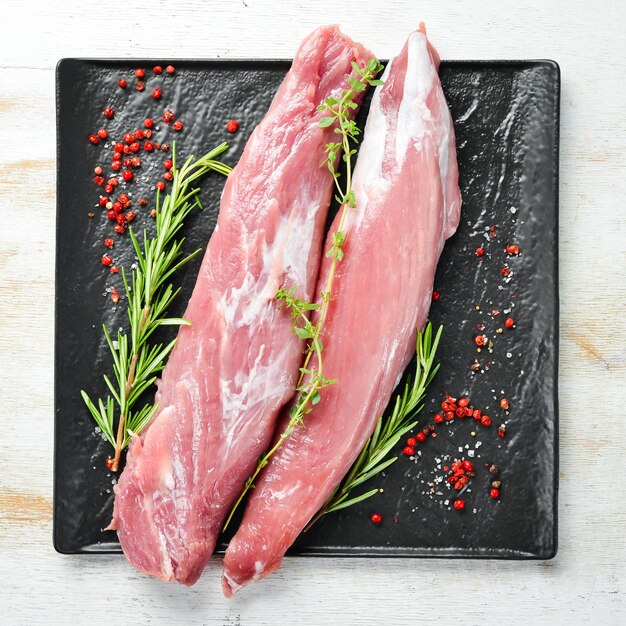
{"x": 506, "y": 119}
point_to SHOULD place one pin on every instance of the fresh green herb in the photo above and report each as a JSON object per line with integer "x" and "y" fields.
{"x": 373, "y": 458}
{"x": 136, "y": 360}
{"x": 339, "y": 113}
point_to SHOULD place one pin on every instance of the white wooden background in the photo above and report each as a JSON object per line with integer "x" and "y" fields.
{"x": 586, "y": 581}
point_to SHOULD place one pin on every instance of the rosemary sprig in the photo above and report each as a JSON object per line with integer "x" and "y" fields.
{"x": 137, "y": 361}
{"x": 339, "y": 113}
{"x": 373, "y": 458}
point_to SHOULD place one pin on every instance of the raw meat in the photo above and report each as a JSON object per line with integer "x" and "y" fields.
{"x": 408, "y": 203}
{"x": 235, "y": 367}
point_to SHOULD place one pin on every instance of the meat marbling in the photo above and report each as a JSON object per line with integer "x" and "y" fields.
{"x": 408, "y": 204}
{"x": 233, "y": 369}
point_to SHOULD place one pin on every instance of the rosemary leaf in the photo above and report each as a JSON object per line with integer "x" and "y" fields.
{"x": 373, "y": 458}
{"x": 136, "y": 361}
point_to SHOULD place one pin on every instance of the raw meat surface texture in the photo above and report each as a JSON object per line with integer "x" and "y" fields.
{"x": 234, "y": 368}
{"x": 407, "y": 204}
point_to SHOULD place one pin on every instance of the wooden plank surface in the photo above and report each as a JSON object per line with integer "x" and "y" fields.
{"x": 585, "y": 582}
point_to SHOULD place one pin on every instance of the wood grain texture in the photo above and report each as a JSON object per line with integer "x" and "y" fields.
{"x": 585, "y": 583}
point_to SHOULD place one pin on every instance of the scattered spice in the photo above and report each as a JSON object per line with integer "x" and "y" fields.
{"x": 512, "y": 249}
{"x": 232, "y": 126}
{"x": 122, "y": 83}
{"x": 436, "y": 296}
{"x": 157, "y": 93}
{"x": 480, "y": 252}
{"x": 115, "y": 296}
{"x": 140, "y": 85}
{"x": 376, "y": 518}
{"x": 509, "y": 322}
{"x": 109, "y": 112}
{"x": 504, "y": 403}
{"x": 177, "y": 126}
{"x": 106, "y": 260}
{"x": 495, "y": 493}
{"x": 459, "y": 504}
{"x": 170, "y": 69}
{"x": 157, "y": 69}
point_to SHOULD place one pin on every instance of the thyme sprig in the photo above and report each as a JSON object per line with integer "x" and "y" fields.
{"x": 374, "y": 456}
{"x": 339, "y": 113}
{"x": 136, "y": 359}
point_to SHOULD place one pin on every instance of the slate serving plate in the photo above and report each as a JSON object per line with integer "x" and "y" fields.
{"x": 506, "y": 118}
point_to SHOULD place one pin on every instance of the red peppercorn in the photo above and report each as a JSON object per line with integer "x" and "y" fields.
{"x": 148, "y": 122}
{"x": 128, "y": 138}
{"x": 115, "y": 296}
{"x": 485, "y": 420}
{"x": 512, "y": 249}
{"x": 436, "y": 296}
{"x": 505, "y": 271}
{"x": 170, "y": 69}
{"x": 156, "y": 93}
{"x": 93, "y": 139}
{"x": 178, "y": 125}
{"x": 120, "y": 218}
{"x": 509, "y": 322}
{"x": 102, "y": 133}
{"x": 108, "y": 188}
{"x": 165, "y": 147}
{"x": 459, "y": 504}
{"x": 463, "y": 402}
{"x": 128, "y": 162}
{"x": 106, "y": 260}
{"x": 232, "y": 126}
{"x": 109, "y": 112}
{"x": 109, "y": 462}
{"x": 109, "y": 243}
{"x": 111, "y": 214}
{"x": 113, "y": 181}
{"x": 122, "y": 83}
{"x": 408, "y": 451}
{"x": 130, "y": 215}
{"x": 449, "y": 415}
{"x": 160, "y": 185}
{"x": 118, "y": 206}
{"x": 135, "y": 146}
{"x": 97, "y": 170}
{"x": 480, "y": 340}
{"x": 438, "y": 418}
{"x": 411, "y": 442}
{"x": 140, "y": 85}
{"x": 114, "y": 269}
{"x": 126, "y": 150}
{"x": 142, "y": 202}
{"x": 157, "y": 69}
{"x": 147, "y": 133}
{"x": 421, "y": 437}
{"x": 495, "y": 493}
{"x": 460, "y": 412}
{"x": 139, "y": 73}
{"x": 148, "y": 146}
{"x": 116, "y": 166}
{"x": 103, "y": 200}
{"x": 127, "y": 175}
{"x": 118, "y": 147}
{"x": 139, "y": 134}
{"x": 168, "y": 164}
{"x": 123, "y": 198}
{"x": 120, "y": 228}
{"x": 504, "y": 403}
{"x": 468, "y": 466}
{"x": 135, "y": 161}
{"x": 476, "y": 414}
{"x": 98, "y": 180}
{"x": 480, "y": 252}
{"x": 168, "y": 116}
